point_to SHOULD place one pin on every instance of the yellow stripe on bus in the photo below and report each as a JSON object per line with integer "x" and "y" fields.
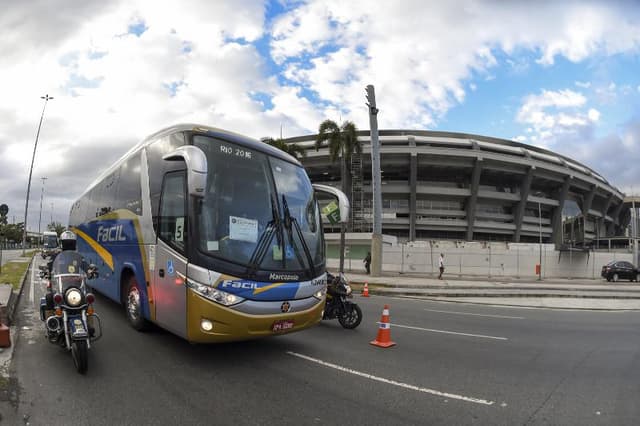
{"x": 102, "y": 252}
{"x": 266, "y": 288}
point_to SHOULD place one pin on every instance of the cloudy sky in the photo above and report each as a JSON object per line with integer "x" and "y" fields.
{"x": 561, "y": 75}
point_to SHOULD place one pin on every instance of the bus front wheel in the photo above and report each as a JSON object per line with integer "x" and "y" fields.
{"x": 134, "y": 306}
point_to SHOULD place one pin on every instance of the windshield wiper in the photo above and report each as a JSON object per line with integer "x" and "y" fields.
{"x": 288, "y": 220}
{"x": 262, "y": 248}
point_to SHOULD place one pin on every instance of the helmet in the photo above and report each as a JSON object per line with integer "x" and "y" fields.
{"x": 68, "y": 240}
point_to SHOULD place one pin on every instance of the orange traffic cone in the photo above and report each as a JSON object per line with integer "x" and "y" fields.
{"x": 384, "y": 331}
{"x": 365, "y": 290}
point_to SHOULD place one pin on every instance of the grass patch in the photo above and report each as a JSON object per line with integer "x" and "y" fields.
{"x": 29, "y": 253}
{"x": 12, "y": 273}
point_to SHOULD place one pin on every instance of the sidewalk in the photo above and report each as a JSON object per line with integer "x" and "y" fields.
{"x": 549, "y": 293}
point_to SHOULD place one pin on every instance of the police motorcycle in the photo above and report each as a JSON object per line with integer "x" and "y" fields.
{"x": 348, "y": 313}
{"x": 67, "y": 307}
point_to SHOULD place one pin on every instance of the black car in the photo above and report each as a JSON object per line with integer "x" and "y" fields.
{"x": 620, "y": 270}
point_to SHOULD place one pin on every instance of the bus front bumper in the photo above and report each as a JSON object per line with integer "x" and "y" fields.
{"x": 229, "y": 325}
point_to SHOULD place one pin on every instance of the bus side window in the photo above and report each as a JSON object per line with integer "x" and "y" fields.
{"x": 173, "y": 213}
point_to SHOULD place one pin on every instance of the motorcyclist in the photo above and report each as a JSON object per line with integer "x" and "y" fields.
{"x": 68, "y": 242}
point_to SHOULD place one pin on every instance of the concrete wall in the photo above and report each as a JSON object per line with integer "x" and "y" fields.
{"x": 485, "y": 259}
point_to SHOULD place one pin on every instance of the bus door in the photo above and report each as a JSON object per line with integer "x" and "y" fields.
{"x": 171, "y": 262}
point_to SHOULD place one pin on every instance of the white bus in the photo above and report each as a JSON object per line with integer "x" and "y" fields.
{"x": 49, "y": 243}
{"x": 209, "y": 234}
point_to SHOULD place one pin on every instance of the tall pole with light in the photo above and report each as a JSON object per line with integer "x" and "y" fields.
{"x": 376, "y": 181}
{"x": 46, "y": 98}
{"x": 40, "y": 215}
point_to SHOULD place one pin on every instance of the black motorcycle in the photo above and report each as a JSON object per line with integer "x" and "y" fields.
{"x": 67, "y": 307}
{"x": 348, "y": 313}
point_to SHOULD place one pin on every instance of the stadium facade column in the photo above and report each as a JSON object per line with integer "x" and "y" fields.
{"x": 616, "y": 218}
{"x": 473, "y": 197}
{"x": 588, "y": 201}
{"x": 525, "y": 188}
{"x": 413, "y": 188}
{"x": 586, "y": 205}
{"x": 557, "y": 213}
{"x": 603, "y": 218}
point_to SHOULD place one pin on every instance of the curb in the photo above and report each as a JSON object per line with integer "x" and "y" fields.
{"x": 379, "y": 292}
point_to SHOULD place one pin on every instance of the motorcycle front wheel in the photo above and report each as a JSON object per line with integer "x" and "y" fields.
{"x": 80, "y": 355}
{"x": 352, "y": 316}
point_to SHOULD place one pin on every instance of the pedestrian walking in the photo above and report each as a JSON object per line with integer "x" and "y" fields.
{"x": 441, "y": 265}
{"x": 367, "y": 262}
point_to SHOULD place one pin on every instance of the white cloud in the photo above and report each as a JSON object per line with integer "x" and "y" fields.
{"x": 551, "y": 114}
{"x": 583, "y": 84}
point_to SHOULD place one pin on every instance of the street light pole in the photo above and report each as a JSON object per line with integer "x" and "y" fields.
{"x": 376, "y": 180}
{"x": 33, "y": 157}
{"x": 540, "y": 244}
{"x": 40, "y": 216}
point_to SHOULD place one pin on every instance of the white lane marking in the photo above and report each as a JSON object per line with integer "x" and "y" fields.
{"x": 476, "y": 315}
{"x": 450, "y": 332}
{"x": 393, "y": 382}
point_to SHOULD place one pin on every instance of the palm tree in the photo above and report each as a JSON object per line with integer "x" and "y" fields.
{"x": 343, "y": 142}
{"x": 296, "y": 151}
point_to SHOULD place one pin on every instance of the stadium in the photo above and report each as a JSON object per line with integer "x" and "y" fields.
{"x": 456, "y": 187}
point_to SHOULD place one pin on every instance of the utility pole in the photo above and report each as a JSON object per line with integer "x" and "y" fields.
{"x": 376, "y": 181}
{"x": 33, "y": 157}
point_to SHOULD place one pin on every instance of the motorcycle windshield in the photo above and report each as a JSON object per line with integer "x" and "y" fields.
{"x": 67, "y": 270}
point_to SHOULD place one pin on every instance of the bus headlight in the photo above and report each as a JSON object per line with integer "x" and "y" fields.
{"x": 320, "y": 293}
{"x": 214, "y": 294}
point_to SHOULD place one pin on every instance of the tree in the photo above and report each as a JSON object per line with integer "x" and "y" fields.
{"x": 296, "y": 151}
{"x": 4, "y": 210}
{"x": 57, "y": 227}
{"x": 343, "y": 142}
{"x": 13, "y": 232}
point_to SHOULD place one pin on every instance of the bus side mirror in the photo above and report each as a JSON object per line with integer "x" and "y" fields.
{"x": 196, "y": 167}
{"x": 343, "y": 201}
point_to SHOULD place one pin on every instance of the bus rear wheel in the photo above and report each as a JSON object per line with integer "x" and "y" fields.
{"x": 134, "y": 306}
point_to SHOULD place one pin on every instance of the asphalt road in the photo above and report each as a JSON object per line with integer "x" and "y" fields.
{"x": 453, "y": 364}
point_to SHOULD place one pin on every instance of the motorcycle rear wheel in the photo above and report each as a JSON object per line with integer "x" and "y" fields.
{"x": 351, "y": 318}
{"x": 80, "y": 355}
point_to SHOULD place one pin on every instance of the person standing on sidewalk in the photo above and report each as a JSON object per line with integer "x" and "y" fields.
{"x": 367, "y": 262}
{"x": 441, "y": 265}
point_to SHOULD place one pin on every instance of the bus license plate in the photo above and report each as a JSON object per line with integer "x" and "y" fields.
{"x": 282, "y": 325}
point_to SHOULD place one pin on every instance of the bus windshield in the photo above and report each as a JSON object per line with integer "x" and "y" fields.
{"x": 258, "y": 211}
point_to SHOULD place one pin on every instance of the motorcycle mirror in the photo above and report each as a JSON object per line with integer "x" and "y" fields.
{"x": 92, "y": 271}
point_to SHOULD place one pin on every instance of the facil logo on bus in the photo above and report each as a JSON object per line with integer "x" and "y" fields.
{"x": 110, "y": 234}
{"x": 245, "y": 285}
